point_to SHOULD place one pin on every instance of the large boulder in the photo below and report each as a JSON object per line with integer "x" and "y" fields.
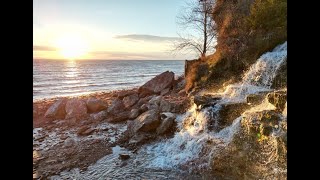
{"x": 147, "y": 121}
{"x": 158, "y": 83}
{"x": 167, "y": 120}
{"x": 95, "y": 105}
{"x": 57, "y": 110}
{"x": 130, "y": 100}
{"x": 116, "y": 107}
{"x": 76, "y": 108}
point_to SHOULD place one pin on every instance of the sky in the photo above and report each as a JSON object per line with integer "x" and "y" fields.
{"x": 106, "y": 29}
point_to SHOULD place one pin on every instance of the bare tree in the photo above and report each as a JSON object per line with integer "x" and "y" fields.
{"x": 197, "y": 21}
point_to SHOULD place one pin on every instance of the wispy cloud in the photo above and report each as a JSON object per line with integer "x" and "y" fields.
{"x": 144, "y": 37}
{"x": 43, "y": 48}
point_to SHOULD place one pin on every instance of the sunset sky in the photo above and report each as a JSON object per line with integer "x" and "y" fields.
{"x": 106, "y": 29}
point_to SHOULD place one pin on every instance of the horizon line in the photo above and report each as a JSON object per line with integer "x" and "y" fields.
{"x": 48, "y": 59}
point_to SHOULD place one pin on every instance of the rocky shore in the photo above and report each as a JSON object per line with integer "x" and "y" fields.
{"x": 74, "y": 132}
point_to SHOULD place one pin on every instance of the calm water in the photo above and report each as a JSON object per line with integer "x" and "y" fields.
{"x": 68, "y": 78}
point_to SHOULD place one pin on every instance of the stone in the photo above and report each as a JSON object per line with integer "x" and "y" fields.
{"x": 82, "y": 129}
{"x": 125, "y": 93}
{"x": 280, "y": 80}
{"x": 229, "y": 112}
{"x": 124, "y": 156}
{"x": 167, "y": 120}
{"x": 147, "y": 121}
{"x": 95, "y": 105}
{"x": 278, "y": 99}
{"x": 122, "y": 116}
{"x": 158, "y": 83}
{"x": 76, "y": 108}
{"x": 116, "y": 107}
{"x": 165, "y": 92}
{"x": 255, "y": 99}
{"x": 174, "y": 105}
{"x": 69, "y": 142}
{"x": 134, "y": 113}
{"x": 155, "y": 100}
{"x": 99, "y": 116}
{"x": 129, "y": 101}
{"x": 57, "y": 110}
{"x": 204, "y": 100}
{"x": 144, "y": 108}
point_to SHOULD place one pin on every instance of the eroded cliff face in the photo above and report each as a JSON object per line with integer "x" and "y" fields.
{"x": 245, "y": 30}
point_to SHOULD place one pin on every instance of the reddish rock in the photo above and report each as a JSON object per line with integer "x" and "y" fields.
{"x": 116, "y": 107}
{"x": 129, "y": 101}
{"x": 147, "y": 121}
{"x": 158, "y": 83}
{"x": 99, "y": 116}
{"x": 95, "y": 105}
{"x": 76, "y": 108}
{"x": 57, "y": 110}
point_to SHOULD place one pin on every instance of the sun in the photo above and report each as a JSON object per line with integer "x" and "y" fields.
{"x": 72, "y": 47}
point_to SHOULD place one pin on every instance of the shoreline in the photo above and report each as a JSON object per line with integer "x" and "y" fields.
{"x": 129, "y": 118}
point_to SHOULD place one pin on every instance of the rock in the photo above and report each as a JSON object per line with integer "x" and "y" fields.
{"x": 95, "y": 105}
{"x": 255, "y": 99}
{"x": 124, "y": 156}
{"x": 181, "y": 84}
{"x": 165, "y": 91}
{"x": 116, "y": 107}
{"x": 125, "y": 93}
{"x": 99, "y": 116}
{"x": 63, "y": 137}
{"x": 129, "y": 101}
{"x": 205, "y": 100}
{"x": 155, "y": 100}
{"x": 174, "y": 105}
{"x": 35, "y": 111}
{"x": 278, "y": 99}
{"x": 122, "y": 116}
{"x": 134, "y": 113}
{"x": 144, "y": 108}
{"x": 229, "y": 112}
{"x": 167, "y": 120}
{"x": 82, "y": 129}
{"x": 158, "y": 83}
{"x": 147, "y": 121}
{"x": 182, "y": 92}
{"x": 280, "y": 80}
{"x": 139, "y": 138}
{"x": 76, "y": 108}
{"x": 69, "y": 142}
{"x": 57, "y": 110}
{"x": 144, "y": 100}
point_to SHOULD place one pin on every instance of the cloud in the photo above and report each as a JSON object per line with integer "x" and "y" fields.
{"x": 44, "y": 48}
{"x": 133, "y": 55}
{"x": 144, "y": 37}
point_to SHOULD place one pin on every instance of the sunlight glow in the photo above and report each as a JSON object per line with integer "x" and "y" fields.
{"x": 72, "y": 47}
